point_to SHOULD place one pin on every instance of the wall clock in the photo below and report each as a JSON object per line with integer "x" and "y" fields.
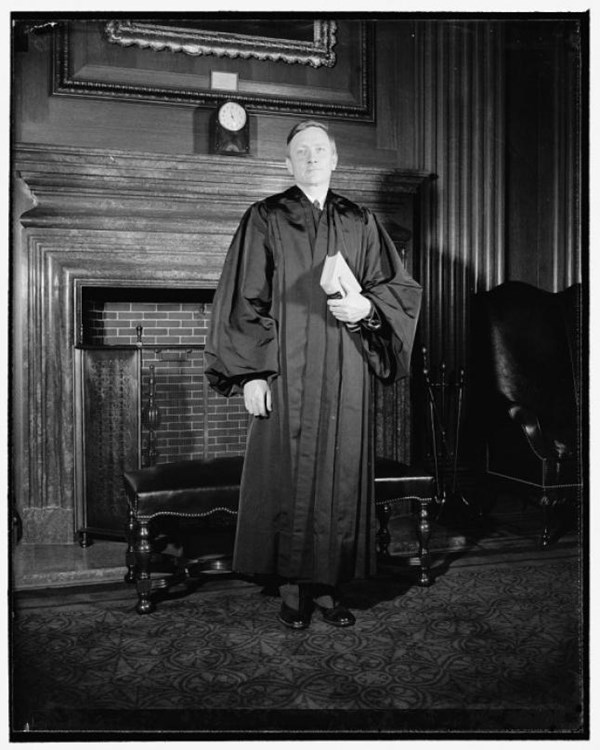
{"x": 230, "y": 130}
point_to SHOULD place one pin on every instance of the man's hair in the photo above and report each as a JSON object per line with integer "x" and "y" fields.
{"x": 303, "y": 125}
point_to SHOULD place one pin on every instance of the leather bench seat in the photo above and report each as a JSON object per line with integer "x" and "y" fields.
{"x": 200, "y": 487}
{"x": 397, "y": 481}
{"x": 185, "y": 488}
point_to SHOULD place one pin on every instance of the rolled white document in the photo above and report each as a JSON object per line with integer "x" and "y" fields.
{"x": 336, "y": 272}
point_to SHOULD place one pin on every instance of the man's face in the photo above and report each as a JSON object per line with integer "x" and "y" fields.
{"x": 311, "y": 159}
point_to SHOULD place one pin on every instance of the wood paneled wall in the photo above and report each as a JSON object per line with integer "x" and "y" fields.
{"x": 498, "y": 113}
{"x": 545, "y": 100}
{"x": 459, "y": 89}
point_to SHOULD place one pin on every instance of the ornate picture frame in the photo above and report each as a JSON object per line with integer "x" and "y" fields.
{"x": 328, "y": 70}
{"x": 315, "y": 52}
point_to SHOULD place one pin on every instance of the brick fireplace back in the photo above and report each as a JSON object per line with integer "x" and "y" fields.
{"x": 171, "y": 326}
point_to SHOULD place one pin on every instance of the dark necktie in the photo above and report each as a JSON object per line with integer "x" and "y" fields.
{"x": 316, "y": 212}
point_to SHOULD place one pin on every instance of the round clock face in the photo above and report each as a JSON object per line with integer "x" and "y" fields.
{"x": 232, "y": 116}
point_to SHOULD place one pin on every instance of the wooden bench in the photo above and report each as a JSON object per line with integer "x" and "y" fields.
{"x": 397, "y": 483}
{"x": 200, "y": 488}
{"x": 184, "y": 489}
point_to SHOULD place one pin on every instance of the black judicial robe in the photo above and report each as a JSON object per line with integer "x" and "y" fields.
{"x": 306, "y": 508}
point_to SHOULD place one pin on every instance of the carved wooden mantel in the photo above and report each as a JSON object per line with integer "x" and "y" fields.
{"x": 112, "y": 218}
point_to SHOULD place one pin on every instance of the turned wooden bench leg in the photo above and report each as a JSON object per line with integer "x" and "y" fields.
{"x": 383, "y": 537}
{"x": 130, "y": 554}
{"x": 143, "y": 553}
{"x": 423, "y": 535}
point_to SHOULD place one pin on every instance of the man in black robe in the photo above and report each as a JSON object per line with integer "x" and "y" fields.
{"x": 303, "y": 362}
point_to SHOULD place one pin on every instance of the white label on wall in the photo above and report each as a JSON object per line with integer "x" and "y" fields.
{"x": 223, "y": 81}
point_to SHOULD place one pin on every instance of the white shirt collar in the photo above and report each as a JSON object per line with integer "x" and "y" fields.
{"x": 322, "y": 197}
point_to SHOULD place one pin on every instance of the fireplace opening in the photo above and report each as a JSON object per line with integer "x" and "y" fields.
{"x": 182, "y": 418}
{"x": 142, "y": 395}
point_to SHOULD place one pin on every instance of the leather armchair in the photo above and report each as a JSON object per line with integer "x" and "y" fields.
{"x": 528, "y": 353}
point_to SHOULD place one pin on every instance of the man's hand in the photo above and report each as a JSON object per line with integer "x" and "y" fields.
{"x": 351, "y": 308}
{"x": 257, "y": 398}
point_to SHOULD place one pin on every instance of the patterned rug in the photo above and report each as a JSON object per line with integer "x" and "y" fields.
{"x": 493, "y": 648}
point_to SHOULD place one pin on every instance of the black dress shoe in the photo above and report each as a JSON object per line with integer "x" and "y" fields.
{"x": 295, "y": 618}
{"x": 338, "y": 615}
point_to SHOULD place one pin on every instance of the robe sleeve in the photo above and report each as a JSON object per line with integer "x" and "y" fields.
{"x": 242, "y": 338}
{"x": 397, "y": 299}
